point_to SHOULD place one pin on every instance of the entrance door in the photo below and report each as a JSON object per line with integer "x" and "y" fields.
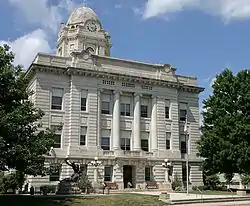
{"x": 127, "y": 175}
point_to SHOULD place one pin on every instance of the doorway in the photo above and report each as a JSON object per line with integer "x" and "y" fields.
{"x": 127, "y": 176}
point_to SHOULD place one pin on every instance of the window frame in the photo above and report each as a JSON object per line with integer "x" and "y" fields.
{"x": 144, "y": 114}
{"x": 126, "y": 107}
{"x": 108, "y": 177}
{"x": 58, "y": 107}
{"x": 143, "y": 148}
{"x": 103, "y": 110}
{"x": 183, "y": 118}
{"x": 107, "y": 146}
{"x": 127, "y": 144}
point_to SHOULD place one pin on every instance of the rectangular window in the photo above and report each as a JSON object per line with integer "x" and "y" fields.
{"x": 148, "y": 174}
{"x": 54, "y": 173}
{"x": 144, "y": 145}
{"x": 57, "y": 134}
{"x": 108, "y": 173}
{"x": 84, "y": 100}
{"x": 105, "y": 108}
{"x": 183, "y": 144}
{"x": 125, "y": 144}
{"x": 167, "y": 112}
{"x": 105, "y": 139}
{"x": 183, "y": 114}
{"x": 83, "y": 134}
{"x": 125, "y": 109}
{"x": 168, "y": 138}
{"x": 144, "y": 111}
{"x": 57, "y": 97}
{"x": 105, "y": 143}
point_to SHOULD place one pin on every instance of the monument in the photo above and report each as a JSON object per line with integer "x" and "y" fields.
{"x": 70, "y": 185}
{"x": 168, "y": 173}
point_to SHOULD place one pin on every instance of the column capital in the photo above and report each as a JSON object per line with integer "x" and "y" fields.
{"x": 137, "y": 94}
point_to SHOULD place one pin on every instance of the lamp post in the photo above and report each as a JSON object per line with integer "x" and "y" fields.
{"x": 187, "y": 157}
{"x": 95, "y": 163}
{"x": 168, "y": 165}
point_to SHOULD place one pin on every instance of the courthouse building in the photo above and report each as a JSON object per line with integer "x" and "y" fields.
{"x": 129, "y": 114}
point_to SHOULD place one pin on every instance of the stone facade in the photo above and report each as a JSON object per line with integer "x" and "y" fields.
{"x": 129, "y": 114}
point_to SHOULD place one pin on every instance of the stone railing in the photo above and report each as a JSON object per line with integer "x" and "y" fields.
{"x": 108, "y": 153}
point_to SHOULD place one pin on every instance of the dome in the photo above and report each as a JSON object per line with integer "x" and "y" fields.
{"x": 81, "y": 15}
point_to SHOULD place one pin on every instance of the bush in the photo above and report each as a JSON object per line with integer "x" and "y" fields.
{"x": 45, "y": 189}
{"x": 176, "y": 182}
{"x": 12, "y": 181}
{"x": 212, "y": 182}
{"x": 84, "y": 183}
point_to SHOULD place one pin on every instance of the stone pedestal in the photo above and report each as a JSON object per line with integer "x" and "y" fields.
{"x": 167, "y": 186}
{"x": 68, "y": 188}
{"x": 241, "y": 192}
{"x": 165, "y": 197}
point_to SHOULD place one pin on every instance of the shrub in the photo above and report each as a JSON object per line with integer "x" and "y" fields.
{"x": 84, "y": 183}
{"x": 48, "y": 189}
{"x": 212, "y": 182}
{"x": 176, "y": 182}
{"x": 12, "y": 181}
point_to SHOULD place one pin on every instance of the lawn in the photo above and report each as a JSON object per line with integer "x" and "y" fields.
{"x": 107, "y": 200}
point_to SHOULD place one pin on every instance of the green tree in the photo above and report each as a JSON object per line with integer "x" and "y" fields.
{"x": 22, "y": 143}
{"x": 228, "y": 177}
{"x": 225, "y": 141}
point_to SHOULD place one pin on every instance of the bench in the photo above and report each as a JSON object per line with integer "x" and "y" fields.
{"x": 151, "y": 185}
{"x": 111, "y": 185}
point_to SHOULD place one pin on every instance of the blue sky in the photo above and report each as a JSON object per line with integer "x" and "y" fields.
{"x": 199, "y": 37}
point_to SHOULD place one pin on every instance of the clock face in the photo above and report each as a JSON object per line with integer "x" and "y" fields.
{"x": 91, "y": 26}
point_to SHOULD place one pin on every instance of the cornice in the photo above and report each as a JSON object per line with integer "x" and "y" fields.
{"x": 112, "y": 76}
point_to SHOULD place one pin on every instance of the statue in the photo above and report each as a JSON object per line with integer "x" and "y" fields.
{"x": 77, "y": 172}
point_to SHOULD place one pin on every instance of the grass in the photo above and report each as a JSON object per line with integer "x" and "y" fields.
{"x": 107, "y": 200}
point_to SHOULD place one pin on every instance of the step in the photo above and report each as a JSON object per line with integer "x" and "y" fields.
{"x": 209, "y": 200}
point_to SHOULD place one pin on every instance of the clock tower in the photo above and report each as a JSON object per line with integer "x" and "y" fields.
{"x": 83, "y": 31}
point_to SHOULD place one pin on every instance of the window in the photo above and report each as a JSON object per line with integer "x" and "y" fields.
{"x": 183, "y": 144}
{"x": 183, "y": 114}
{"x": 167, "y": 106}
{"x": 144, "y": 145}
{"x": 84, "y": 100}
{"x": 54, "y": 173}
{"x": 125, "y": 144}
{"x": 105, "y": 108}
{"x": 144, "y": 111}
{"x": 83, "y": 133}
{"x": 148, "y": 173}
{"x": 57, "y": 97}
{"x": 184, "y": 173}
{"x": 58, "y": 132}
{"x": 167, "y": 112}
{"x": 108, "y": 170}
{"x": 105, "y": 143}
{"x": 168, "y": 137}
{"x": 105, "y": 104}
{"x": 125, "y": 109}
{"x": 105, "y": 139}
{"x": 183, "y": 147}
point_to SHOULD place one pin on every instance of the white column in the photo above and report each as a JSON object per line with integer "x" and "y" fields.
{"x": 116, "y": 121}
{"x": 137, "y": 122}
{"x": 154, "y": 124}
{"x": 95, "y": 174}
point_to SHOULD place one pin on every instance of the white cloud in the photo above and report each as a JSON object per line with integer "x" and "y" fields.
{"x": 42, "y": 13}
{"x": 26, "y": 47}
{"x": 227, "y": 10}
{"x": 47, "y": 18}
